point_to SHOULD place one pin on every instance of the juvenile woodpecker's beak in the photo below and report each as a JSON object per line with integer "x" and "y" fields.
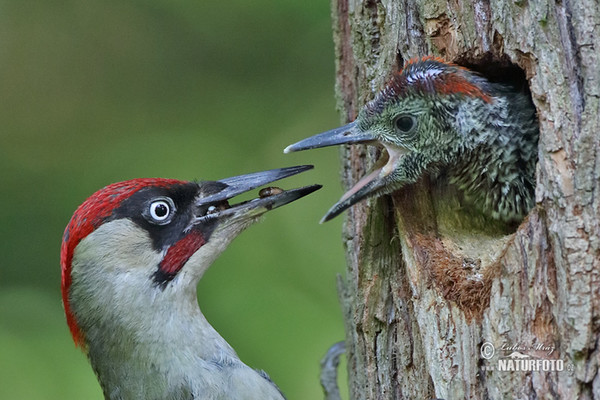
{"x": 346, "y": 134}
{"x": 369, "y": 185}
{"x": 372, "y": 183}
{"x": 269, "y": 198}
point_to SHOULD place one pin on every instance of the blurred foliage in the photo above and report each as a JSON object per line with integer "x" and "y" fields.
{"x": 95, "y": 92}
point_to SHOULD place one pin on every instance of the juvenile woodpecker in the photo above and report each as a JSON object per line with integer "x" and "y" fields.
{"x": 440, "y": 119}
{"x": 132, "y": 256}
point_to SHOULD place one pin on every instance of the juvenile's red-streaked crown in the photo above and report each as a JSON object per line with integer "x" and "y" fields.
{"x": 85, "y": 220}
{"x": 434, "y": 76}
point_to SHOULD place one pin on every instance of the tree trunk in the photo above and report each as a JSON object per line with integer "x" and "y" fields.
{"x": 425, "y": 298}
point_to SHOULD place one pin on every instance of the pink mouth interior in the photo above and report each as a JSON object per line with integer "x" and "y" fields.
{"x": 382, "y": 168}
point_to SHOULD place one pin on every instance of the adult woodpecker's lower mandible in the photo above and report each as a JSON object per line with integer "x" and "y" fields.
{"x": 132, "y": 256}
{"x": 437, "y": 118}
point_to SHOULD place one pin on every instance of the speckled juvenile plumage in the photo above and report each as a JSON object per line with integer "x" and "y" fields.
{"x": 441, "y": 119}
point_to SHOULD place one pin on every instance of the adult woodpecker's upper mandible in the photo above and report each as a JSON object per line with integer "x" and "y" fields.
{"x": 131, "y": 258}
{"x": 438, "y": 118}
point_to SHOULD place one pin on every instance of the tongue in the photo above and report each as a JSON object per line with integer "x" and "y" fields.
{"x": 362, "y": 182}
{"x": 375, "y": 172}
{"x": 382, "y": 168}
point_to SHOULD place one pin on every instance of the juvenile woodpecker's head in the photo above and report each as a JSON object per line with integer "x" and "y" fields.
{"x": 438, "y": 118}
{"x": 131, "y": 258}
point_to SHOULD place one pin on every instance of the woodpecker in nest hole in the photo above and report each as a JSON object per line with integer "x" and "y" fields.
{"x": 132, "y": 256}
{"x": 441, "y": 119}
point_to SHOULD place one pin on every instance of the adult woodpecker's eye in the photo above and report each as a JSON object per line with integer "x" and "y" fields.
{"x": 161, "y": 210}
{"x": 405, "y": 123}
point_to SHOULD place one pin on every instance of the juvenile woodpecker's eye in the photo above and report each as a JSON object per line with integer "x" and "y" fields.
{"x": 405, "y": 123}
{"x": 161, "y": 210}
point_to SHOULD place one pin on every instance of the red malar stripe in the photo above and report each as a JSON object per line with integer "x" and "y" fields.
{"x": 179, "y": 253}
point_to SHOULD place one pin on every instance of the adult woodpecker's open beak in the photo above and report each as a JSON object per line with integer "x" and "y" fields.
{"x": 269, "y": 198}
{"x": 371, "y": 183}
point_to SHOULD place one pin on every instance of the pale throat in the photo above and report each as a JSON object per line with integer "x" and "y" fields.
{"x": 122, "y": 311}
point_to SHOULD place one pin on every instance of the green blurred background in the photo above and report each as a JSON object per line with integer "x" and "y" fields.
{"x": 95, "y": 92}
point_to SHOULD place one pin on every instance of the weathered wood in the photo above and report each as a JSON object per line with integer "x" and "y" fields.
{"x": 423, "y": 291}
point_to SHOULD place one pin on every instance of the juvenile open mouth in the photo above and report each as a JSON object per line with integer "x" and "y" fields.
{"x": 374, "y": 182}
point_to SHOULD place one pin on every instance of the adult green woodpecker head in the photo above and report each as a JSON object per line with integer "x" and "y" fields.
{"x": 131, "y": 259}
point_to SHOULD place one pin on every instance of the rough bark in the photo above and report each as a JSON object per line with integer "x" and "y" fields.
{"x": 422, "y": 294}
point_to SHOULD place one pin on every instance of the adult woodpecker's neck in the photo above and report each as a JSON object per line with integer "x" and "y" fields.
{"x": 146, "y": 340}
